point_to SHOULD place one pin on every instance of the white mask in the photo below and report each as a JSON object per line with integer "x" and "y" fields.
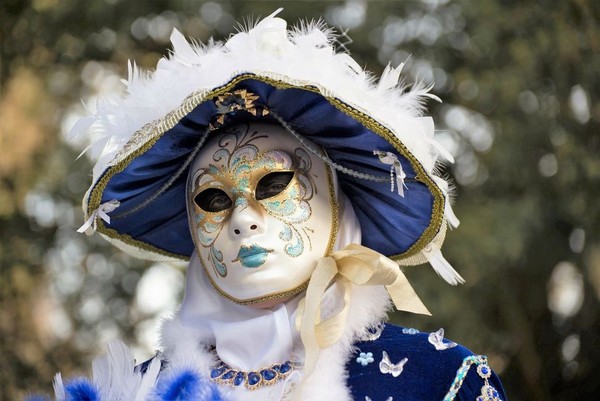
{"x": 262, "y": 211}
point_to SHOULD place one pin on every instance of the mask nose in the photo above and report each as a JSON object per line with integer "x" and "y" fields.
{"x": 246, "y": 221}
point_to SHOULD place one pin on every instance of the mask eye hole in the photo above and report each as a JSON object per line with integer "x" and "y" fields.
{"x": 273, "y": 184}
{"x": 213, "y": 200}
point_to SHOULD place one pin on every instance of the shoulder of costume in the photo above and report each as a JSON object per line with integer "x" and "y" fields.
{"x": 410, "y": 365}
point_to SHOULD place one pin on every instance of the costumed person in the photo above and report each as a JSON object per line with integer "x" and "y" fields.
{"x": 296, "y": 187}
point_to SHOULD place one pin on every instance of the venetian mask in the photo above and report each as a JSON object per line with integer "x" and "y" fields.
{"x": 261, "y": 210}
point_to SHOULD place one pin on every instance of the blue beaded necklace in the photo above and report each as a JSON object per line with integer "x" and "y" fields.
{"x": 223, "y": 374}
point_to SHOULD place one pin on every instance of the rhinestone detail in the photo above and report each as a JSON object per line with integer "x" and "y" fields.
{"x": 227, "y": 376}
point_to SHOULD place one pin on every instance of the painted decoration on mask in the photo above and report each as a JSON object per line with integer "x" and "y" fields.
{"x": 240, "y": 175}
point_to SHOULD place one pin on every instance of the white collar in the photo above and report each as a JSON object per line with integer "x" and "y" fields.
{"x": 184, "y": 346}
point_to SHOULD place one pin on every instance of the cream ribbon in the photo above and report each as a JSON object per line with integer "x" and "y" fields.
{"x": 101, "y": 212}
{"x": 354, "y": 264}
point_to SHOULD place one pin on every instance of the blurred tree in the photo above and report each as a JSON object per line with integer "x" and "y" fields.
{"x": 519, "y": 83}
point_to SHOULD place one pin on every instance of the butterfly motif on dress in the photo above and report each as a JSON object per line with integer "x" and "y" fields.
{"x": 386, "y": 366}
{"x": 437, "y": 340}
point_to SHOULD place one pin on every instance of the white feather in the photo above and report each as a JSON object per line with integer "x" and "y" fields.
{"x": 449, "y": 214}
{"x": 441, "y": 266}
{"x": 182, "y": 50}
{"x": 389, "y": 78}
{"x": 81, "y": 127}
{"x": 101, "y": 376}
{"x": 149, "y": 379}
{"x": 59, "y": 388}
{"x": 116, "y": 378}
{"x": 451, "y": 218}
{"x": 305, "y": 54}
{"x": 123, "y": 379}
{"x": 442, "y": 151}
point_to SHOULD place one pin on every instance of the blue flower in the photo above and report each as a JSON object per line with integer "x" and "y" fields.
{"x": 365, "y": 358}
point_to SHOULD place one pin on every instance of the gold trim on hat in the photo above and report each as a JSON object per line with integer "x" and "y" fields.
{"x": 143, "y": 139}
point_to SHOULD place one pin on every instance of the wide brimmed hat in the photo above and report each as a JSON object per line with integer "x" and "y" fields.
{"x": 375, "y": 135}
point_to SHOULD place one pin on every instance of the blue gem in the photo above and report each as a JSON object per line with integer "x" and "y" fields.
{"x": 239, "y": 378}
{"x": 268, "y": 374}
{"x": 276, "y": 368}
{"x": 214, "y": 373}
{"x": 285, "y": 367}
{"x": 253, "y": 378}
{"x": 228, "y": 375}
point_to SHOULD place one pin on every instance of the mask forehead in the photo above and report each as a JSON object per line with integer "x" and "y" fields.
{"x": 298, "y": 222}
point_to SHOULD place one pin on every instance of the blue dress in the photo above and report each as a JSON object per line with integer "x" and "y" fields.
{"x": 400, "y": 364}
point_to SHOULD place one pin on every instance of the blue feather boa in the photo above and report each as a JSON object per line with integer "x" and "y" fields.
{"x": 183, "y": 385}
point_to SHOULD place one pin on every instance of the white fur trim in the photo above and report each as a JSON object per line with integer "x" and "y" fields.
{"x": 368, "y": 306}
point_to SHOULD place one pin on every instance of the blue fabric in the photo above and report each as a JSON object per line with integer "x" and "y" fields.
{"x": 426, "y": 376}
{"x": 390, "y": 224}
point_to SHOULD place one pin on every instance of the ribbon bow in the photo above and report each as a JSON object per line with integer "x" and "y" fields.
{"x": 101, "y": 212}
{"x": 358, "y": 265}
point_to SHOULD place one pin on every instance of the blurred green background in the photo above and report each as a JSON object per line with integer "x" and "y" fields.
{"x": 520, "y": 84}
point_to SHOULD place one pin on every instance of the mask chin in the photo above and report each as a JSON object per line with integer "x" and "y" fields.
{"x": 262, "y": 210}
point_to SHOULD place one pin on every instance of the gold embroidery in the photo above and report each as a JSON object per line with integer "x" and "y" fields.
{"x": 230, "y": 102}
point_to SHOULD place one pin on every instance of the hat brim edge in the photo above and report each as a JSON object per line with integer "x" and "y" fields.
{"x": 159, "y": 127}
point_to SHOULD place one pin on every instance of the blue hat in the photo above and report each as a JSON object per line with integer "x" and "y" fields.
{"x": 374, "y": 134}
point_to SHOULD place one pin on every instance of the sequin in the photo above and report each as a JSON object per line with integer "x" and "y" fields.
{"x": 365, "y": 358}
{"x": 484, "y": 371}
{"x": 268, "y": 374}
{"x": 239, "y": 378}
{"x": 372, "y": 333}
{"x": 253, "y": 378}
{"x": 437, "y": 340}
{"x": 230, "y": 103}
{"x": 228, "y": 375}
{"x": 225, "y": 375}
{"x": 488, "y": 392}
{"x": 387, "y": 367}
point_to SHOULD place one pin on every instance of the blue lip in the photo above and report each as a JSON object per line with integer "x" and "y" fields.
{"x": 252, "y": 256}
